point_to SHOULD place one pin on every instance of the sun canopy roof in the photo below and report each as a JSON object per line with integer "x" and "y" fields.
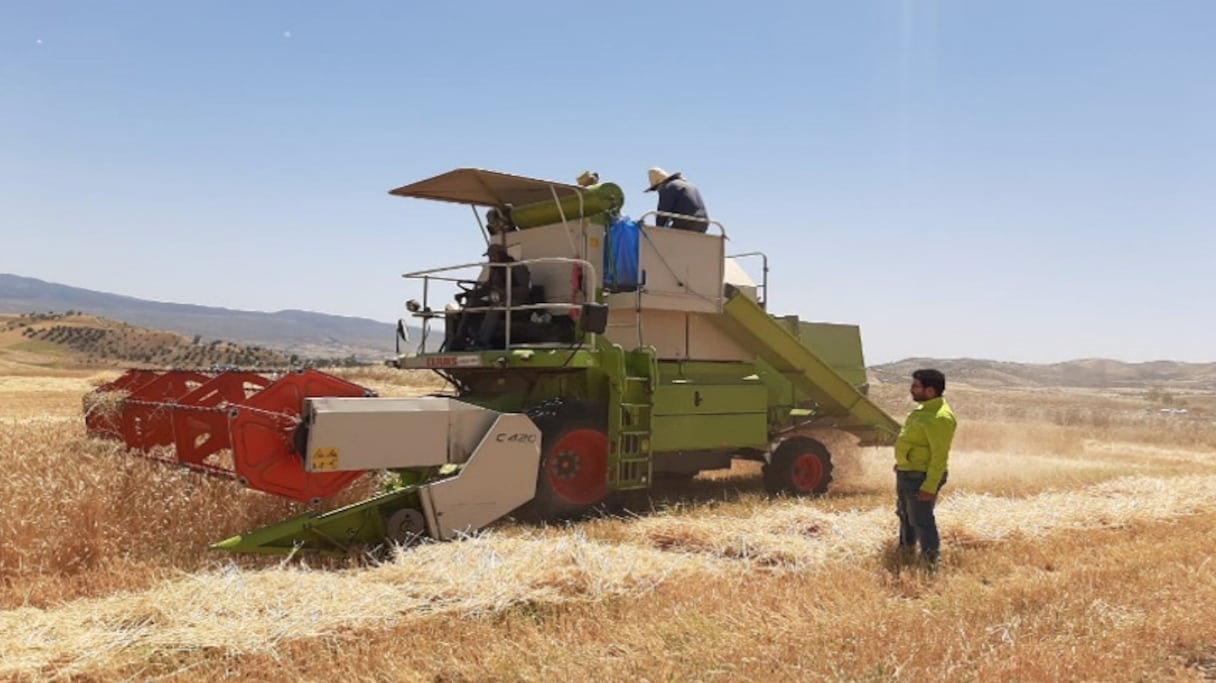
{"x": 484, "y": 188}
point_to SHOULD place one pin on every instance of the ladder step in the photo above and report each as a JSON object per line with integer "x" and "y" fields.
{"x": 632, "y": 457}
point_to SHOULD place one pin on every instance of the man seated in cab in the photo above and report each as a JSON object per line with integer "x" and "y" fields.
{"x": 492, "y": 291}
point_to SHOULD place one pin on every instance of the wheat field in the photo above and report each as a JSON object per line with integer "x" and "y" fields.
{"x": 1078, "y": 534}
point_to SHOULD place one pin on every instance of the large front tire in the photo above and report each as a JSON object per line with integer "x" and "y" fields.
{"x": 800, "y": 466}
{"x": 573, "y": 473}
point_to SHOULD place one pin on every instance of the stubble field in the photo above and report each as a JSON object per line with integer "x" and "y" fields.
{"x": 1078, "y": 530}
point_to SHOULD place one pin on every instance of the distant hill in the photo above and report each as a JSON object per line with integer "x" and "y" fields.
{"x": 293, "y": 332}
{"x": 1093, "y": 373}
{"x": 66, "y": 341}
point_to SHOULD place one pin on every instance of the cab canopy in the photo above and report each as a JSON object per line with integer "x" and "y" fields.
{"x": 479, "y": 187}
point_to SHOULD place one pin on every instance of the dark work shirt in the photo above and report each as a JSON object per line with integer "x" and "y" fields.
{"x": 682, "y": 197}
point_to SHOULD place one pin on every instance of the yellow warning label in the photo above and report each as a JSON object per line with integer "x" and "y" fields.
{"x": 595, "y": 242}
{"x": 325, "y": 460}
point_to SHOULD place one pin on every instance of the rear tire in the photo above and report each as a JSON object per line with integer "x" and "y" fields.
{"x": 800, "y": 466}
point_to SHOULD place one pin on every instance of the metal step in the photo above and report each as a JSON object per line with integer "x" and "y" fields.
{"x": 632, "y": 459}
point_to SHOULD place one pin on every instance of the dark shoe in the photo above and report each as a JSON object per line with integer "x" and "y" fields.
{"x": 931, "y": 560}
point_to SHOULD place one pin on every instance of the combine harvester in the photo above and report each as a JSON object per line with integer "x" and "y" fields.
{"x": 636, "y": 353}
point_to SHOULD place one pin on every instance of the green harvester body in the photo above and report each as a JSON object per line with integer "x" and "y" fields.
{"x": 685, "y": 371}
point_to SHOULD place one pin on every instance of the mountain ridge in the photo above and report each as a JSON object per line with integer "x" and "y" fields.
{"x": 306, "y": 333}
{"x": 1083, "y": 373}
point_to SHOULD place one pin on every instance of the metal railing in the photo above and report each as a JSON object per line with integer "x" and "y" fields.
{"x": 764, "y": 274}
{"x": 588, "y": 286}
{"x": 664, "y": 214}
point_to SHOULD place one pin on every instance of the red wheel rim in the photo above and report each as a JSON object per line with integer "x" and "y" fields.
{"x": 577, "y": 466}
{"x": 808, "y": 472}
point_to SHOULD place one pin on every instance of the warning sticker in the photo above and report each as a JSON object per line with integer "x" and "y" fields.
{"x": 325, "y": 460}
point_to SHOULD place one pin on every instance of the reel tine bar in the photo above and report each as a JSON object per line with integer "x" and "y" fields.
{"x": 201, "y": 414}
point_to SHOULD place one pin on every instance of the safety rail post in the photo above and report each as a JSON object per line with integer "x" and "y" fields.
{"x": 637, "y": 316}
{"x": 426, "y": 322}
{"x": 485, "y": 234}
{"x": 764, "y": 274}
{"x": 507, "y": 313}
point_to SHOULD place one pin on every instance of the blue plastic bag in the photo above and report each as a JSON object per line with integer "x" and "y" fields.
{"x": 621, "y": 252}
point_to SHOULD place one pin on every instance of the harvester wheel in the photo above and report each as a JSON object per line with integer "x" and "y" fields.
{"x": 800, "y": 467}
{"x": 573, "y": 474}
{"x": 404, "y": 526}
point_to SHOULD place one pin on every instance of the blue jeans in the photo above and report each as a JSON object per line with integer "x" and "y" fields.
{"x": 917, "y": 522}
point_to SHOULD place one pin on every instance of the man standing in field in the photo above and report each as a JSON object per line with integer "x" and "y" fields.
{"x": 922, "y": 452}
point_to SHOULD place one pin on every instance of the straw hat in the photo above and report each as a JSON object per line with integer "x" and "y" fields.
{"x": 656, "y": 176}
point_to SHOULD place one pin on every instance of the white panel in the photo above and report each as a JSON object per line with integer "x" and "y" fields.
{"x": 666, "y": 331}
{"x": 348, "y": 434}
{"x": 467, "y": 425}
{"x": 499, "y": 477}
{"x": 573, "y": 240}
{"x": 678, "y": 265}
{"x": 707, "y": 341}
{"x": 664, "y": 301}
{"x": 736, "y": 276}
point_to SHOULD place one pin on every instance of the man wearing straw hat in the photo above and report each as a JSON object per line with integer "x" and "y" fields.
{"x": 678, "y": 196}
{"x": 922, "y": 451}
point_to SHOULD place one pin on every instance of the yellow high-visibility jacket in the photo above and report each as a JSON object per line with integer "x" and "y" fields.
{"x": 924, "y": 442}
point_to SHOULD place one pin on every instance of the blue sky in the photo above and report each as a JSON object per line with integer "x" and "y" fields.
{"x": 1029, "y": 181}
